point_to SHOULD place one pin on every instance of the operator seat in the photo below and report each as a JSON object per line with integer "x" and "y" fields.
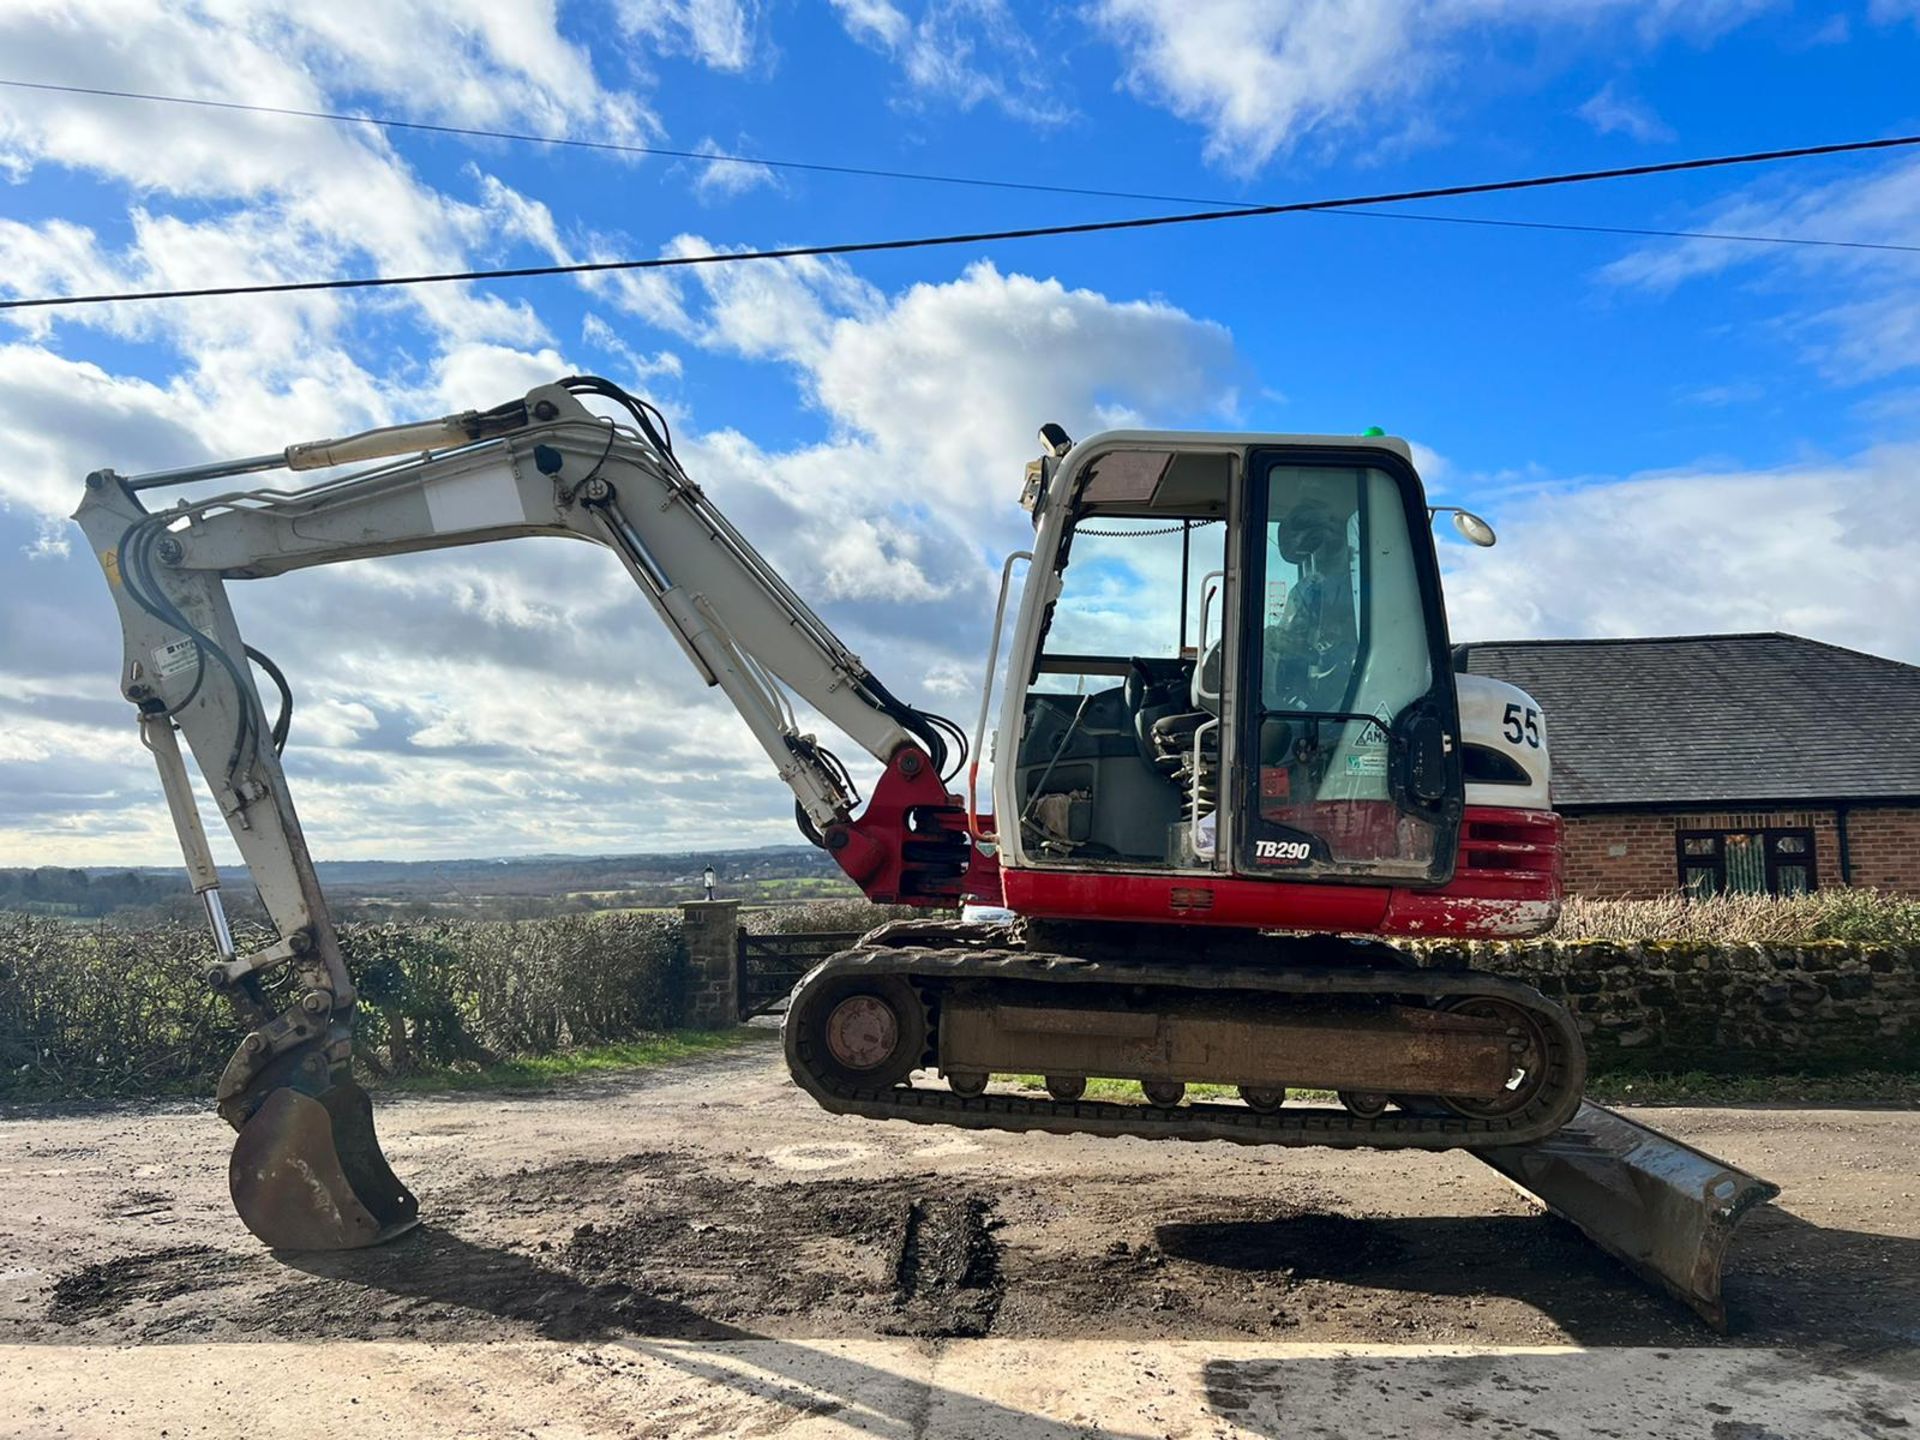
{"x": 1154, "y": 691}
{"x": 1166, "y": 734}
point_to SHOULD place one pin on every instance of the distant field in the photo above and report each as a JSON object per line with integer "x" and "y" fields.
{"x": 517, "y": 888}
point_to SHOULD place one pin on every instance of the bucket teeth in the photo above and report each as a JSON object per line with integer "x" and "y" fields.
{"x": 307, "y": 1173}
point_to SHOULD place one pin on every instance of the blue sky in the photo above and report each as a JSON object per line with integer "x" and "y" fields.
{"x": 1672, "y": 436}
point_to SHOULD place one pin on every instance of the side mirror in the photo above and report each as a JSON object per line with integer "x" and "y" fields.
{"x": 1474, "y": 528}
{"x": 1467, "y": 523}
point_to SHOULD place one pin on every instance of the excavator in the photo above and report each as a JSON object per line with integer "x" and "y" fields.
{"x": 1233, "y": 763}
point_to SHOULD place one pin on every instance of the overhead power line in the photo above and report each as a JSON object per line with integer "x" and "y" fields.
{"x": 617, "y": 147}
{"x": 930, "y": 177}
{"x": 920, "y": 176}
{"x": 1642, "y": 231}
{"x": 1032, "y": 232}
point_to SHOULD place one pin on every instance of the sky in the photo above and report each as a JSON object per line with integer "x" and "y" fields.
{"x": 1672, "y": 436}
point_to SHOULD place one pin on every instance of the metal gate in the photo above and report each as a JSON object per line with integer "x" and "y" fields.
{"x": 771, "y": 965}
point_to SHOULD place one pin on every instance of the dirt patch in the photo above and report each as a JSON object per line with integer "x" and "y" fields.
{"x": 719, "y": 1204}
{"x": 947, "y": 1274}
{"x": 899, "y": 1254}
{"x": 107, "y": 1287}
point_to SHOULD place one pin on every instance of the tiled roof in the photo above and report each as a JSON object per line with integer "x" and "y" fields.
{"x": 1715, "y": 717}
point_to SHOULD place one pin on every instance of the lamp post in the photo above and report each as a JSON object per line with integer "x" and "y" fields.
{"x": 707, "y": 877}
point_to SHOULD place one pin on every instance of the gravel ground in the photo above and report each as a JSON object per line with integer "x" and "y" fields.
{"x": 710, "y": 1202}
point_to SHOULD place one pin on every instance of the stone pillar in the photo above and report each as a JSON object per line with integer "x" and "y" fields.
{"x": 713, "y": 950}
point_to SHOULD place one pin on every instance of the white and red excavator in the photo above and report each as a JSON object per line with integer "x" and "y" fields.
{"x": 1232, "y": 761}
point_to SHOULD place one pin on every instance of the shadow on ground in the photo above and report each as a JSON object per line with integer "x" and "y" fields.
{"x": 1787, "y": 1282}
{"x": 435, "y": 1275}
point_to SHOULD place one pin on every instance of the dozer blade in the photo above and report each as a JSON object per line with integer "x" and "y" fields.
{"x": 1663, "y": 1208}
{"x": 307, "y": 1174}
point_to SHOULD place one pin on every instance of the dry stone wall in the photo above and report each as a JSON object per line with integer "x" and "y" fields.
{"x": 1817, "y": 1007}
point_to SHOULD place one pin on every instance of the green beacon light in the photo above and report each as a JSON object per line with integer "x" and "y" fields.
{"x": 1371, "y": 431}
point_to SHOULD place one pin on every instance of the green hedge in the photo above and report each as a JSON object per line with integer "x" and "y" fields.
{"x": 1841, "y": 913}
{"x": 102, "y": 1011}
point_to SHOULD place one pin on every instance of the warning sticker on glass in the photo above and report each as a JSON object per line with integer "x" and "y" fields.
{"x": 172, "y": 658}
{"x": 1373, "y": 763}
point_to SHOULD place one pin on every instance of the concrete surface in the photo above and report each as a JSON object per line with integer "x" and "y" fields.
{"x": 959, "y": 1390}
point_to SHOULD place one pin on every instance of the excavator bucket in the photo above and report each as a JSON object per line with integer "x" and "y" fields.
{"x": 307, "y": 1173}
{"x": 1664, "y": 1209}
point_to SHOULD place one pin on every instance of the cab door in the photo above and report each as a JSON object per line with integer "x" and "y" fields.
{"x": 1347, "y": 726}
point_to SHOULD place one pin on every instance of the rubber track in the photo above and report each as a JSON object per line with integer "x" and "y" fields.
{"x": 931, "y": 968}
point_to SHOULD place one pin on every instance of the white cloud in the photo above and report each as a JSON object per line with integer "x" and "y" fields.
{"x": 723, "y": 179}
{"x": 932, "y": 398}
{"x": 489, "y": 66}
{"x": 721, "y": 33}
{"x": 1893, "y": 12}
{"x": 1856, "y": 313}
{"x": 964, "y": 373}
{"x": 781, "y": 310}
{"x": 217, "y": 195}
{"x": 1880, "y": 206}
{"x": 1613, "y": 113}
{"x": 879, "y": 23}
{"x": 63, "y": 418}
{"x": 1260, "y": 76}
{"x": 210, "y": 195}
{"x": 965, "y": 53}
{"x": 523, "y": 697}
{"x": 1829, "y": 550}
{"x": 640, "y": 368}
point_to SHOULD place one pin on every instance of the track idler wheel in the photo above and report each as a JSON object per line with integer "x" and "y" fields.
{"x": 1066, "y": 1088}
{"x": 865, "y": 1033}
{"x": 1529, "y": 1043}
{"x": 307, "y": 1173}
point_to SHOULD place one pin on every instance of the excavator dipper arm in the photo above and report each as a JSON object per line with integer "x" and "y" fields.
{"x": 307, "y": 1171}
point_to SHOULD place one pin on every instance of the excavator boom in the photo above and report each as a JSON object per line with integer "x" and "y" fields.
{"x": 307, "y": 1171}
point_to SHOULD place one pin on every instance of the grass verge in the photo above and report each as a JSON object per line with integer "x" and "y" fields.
{"x": 1130, "y": 1089}
{"x": 539, "y": 1071}
{"x": 1696, "y": 1087}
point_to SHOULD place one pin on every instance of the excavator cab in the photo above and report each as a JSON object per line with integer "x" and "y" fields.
{"x": 1236, "y": 671}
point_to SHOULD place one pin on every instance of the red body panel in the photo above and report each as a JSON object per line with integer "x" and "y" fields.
{"x": 910, "y": 846}
{"x": 1506, "y": 883}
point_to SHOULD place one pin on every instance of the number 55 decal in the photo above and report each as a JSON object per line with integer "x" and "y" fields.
{"x": 1520, "y": 726}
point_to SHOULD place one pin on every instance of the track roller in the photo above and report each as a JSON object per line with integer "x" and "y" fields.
{"x": 1164, "y": 1094}
{"x": 1364, "y": 1103}
{"x": 1262, "y": 1099}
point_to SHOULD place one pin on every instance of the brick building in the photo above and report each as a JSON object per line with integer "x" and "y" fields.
{"x": 1709, "y": 763}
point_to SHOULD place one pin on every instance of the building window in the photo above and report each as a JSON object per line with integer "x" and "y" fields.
{"x": 1745, "y": 862}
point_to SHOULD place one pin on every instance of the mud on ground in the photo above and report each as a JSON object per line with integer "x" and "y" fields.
{"x": 714, "y": 1201}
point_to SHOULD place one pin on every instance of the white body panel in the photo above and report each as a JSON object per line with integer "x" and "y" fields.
{"x": 1508, "y": 721}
